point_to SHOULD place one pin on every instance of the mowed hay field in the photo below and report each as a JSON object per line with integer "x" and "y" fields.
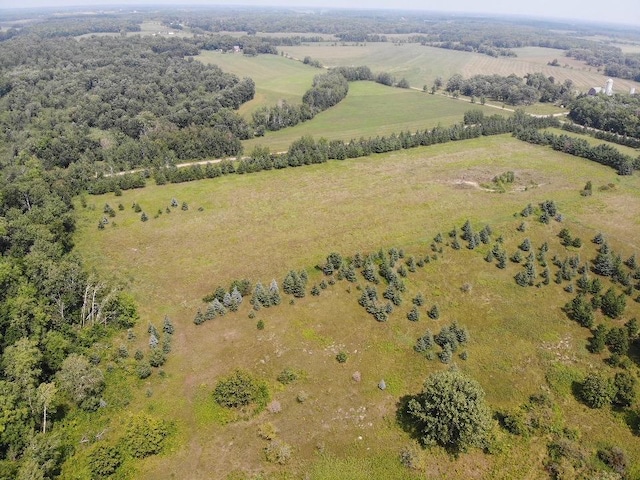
{"x": 259, "y": 226}
{"x": 276, "y": 78}
{"x": 420, "y": 65}
{"x": 370, "y": 110}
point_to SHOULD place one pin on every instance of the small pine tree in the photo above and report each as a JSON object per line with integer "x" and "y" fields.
{"x": 434, "y": 312}
{"x": 167, "y": 326}
{"x": 446, "y": 355}
{"x": 413, "y": 315}
{"x": 199, "y": 318}
{"x": 185, "y": 206}
{"x": 418, "y": 300}
{"x": 153, "y": 340}
{"x": 144, "y": 217}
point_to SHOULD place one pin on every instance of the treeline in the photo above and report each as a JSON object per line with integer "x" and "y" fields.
{"x": 617, "y": 113}
{"x": 71, "y": 26}
{"x": 512, "y": 90}
{"x": 613, "y": 61}
{"x": 52, "y": 314}
{"x": 328, "y": 89}
{"x": 250, "y": 45}
{"x": 307, "y": 151}
{"x": 124, "y": 102}
{"x": 601, "y": 135}
{"x": 603, "y": 153}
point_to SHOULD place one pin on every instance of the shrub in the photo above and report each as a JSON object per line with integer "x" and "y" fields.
{"x": 287, "y": 376}
{"x": 342, "y": 357}
{"x": 278, "y": 452}
{"x": 145, "y": 435}
{"x": 434, "y": 313}
{"x": 596, "y": 391}
{"x": 104, "y": 461}
{"x": 268, "y": 431}
{"x": 143, "y": 370}
{"x": 624, "y": 385}
{"x": 240, "y": 389}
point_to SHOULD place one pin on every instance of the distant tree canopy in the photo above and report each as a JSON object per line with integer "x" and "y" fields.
{"x": 148, "y": 104}
{"x": 618, "y": 113}
{"x": 512, "y": 90}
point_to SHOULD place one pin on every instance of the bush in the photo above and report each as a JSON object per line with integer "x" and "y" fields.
{"x": 342, "y": 357}
{"x": 615, "y": 458}
{"x": 268, "y": 431}
{"x": 287, "y": 376}
{"x": 240, "y": 389}
{"x": 145, "y": 436}
{"x": 104, "y": 461}
{"x": 278, "y": 452}
{"x": 143, "y": 370}
{"x": 596, "y": 391}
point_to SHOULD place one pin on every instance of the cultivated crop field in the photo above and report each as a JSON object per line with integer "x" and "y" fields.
{"x": 259, "y": 226}
{"x": 420, "y": 65}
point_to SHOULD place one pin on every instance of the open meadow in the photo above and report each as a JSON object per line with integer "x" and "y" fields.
{"x": 259, "y": 226}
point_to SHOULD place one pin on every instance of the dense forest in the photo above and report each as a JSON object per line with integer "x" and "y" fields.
{"x": 123, "y": 104}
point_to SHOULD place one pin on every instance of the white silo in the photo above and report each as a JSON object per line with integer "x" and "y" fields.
{"x": 608, "y": 89}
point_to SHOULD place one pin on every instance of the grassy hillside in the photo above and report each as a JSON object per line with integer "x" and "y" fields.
{"x": 259, "y": 226}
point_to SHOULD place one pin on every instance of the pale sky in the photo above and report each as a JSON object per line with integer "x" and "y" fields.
{"x": 618, "y": 11}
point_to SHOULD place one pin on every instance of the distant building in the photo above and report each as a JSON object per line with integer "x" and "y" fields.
{"x": 607, "y": 89}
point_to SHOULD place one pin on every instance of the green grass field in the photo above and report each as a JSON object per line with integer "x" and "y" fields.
{"x": 371, "y": 109}
{"x": 261, "y": 225}
{"x": 276, "y": 78}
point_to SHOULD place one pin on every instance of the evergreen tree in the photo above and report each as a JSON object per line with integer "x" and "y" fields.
{"x": 580, "y": 310}
{"x": 597, "y": 391}
{"x": 434, "y": 312}
{"x": 613, "y": 306}
{"x": 274, "y": 292}
{"x": 598, "y": 341}
{"x": 369, "y": 273}
{"x": 167, "y": 326}
{"x": 413, "y": 315}
{"x": 199, "y": 318}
